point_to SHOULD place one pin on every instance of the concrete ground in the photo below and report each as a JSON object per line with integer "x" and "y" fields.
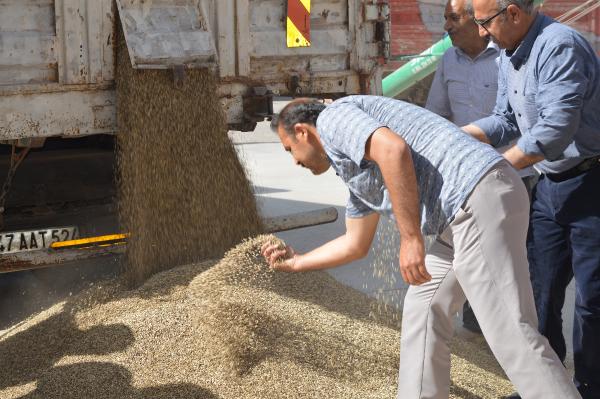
{"x": 282, "y": 188}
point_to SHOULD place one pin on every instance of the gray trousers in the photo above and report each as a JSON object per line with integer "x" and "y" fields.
{"x": 481, "y": 257}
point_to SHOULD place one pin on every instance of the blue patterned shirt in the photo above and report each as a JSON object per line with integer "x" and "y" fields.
{"x": 549, "y": 96}
{"x": 448, "y": 162}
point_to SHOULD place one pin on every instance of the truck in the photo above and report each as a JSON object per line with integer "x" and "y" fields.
{"x": 57, "y": 83}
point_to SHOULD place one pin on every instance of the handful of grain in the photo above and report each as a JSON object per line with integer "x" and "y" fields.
{"x": 281, "y": 245}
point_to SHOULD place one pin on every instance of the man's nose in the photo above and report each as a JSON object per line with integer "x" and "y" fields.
{"x": 482, "y": 31}
{"x": 447, "y": 25}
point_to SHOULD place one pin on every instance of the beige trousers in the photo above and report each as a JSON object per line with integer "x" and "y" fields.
{"x": 482, "y": 256}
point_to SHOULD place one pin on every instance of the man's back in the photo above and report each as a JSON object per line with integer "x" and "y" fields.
{"x": 448, "y": 163}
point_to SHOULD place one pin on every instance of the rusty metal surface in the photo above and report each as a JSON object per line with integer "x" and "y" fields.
{"x": 83, "y": 40}
{"x": 327, "y": 65}
{"x": 57, "y": 58}
{"x": 67, "y": 113}
{"x": 46, "y": 258}
{"x": 301, "y": 219}
{"x": 27, "y": 42}
{"x": 40, "y": 259}
{"x": 49, "y": 88}
{"x": 160, "y": 34}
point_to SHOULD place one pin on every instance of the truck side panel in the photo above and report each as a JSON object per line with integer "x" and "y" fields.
{"x": 27, "y": 48}
{"x": 57, "y": 56}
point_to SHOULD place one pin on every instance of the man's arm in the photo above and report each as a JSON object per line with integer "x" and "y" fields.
{"x": 353, "y": 245}
{"x": 392, "y": 155}
{"x": 561, "y": 88}
{"x": 520, "y": 160}
{"x": 500, "y": 127}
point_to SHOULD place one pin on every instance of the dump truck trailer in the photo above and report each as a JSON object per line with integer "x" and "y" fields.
{"x": 57, "y": 79}
{"x": 57, "y": 57}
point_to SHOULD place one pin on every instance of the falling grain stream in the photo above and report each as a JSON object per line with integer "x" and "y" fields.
{"x": 184, "y": 195}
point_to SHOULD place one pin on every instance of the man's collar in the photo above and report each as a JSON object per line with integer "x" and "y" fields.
{"x": 520, "y": 55}
{"x": 490, "y": 48}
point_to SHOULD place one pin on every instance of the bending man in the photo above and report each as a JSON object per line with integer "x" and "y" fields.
{"x": 445, "y": 189}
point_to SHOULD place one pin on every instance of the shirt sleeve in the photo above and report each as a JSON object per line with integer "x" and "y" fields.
{"x": 346, "y": 127}
{"x": 560, "y": 92}
{"x": 355, "y": 208}
{"x": 437, "y": 100}
{"x": 500, "y": 127}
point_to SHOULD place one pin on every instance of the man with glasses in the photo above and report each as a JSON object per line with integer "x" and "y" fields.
{"x": 464, "y": 87}
{"x": 549, "y": 97}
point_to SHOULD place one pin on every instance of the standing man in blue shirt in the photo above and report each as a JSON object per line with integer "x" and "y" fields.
{"x": 549, "y": 97}
{"x": 465, "y": 85}
{"x": 451, "y": 197}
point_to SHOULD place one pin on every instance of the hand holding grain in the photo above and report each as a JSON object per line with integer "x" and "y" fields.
{"x": 279, "y": 256}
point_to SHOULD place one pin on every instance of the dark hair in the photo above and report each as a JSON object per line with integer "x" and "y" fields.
{"x": 302, "y": 110}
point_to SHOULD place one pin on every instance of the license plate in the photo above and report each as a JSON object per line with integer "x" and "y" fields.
{"x": 32, "y": 240}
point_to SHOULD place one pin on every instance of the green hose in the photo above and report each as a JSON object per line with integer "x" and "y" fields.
{"x": 416, "y": 69}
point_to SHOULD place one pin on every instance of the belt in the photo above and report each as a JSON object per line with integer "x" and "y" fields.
{"x": 576, "y": 170}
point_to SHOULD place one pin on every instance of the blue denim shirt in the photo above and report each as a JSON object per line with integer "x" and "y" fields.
{"x": 549, "y": 95}
{"x": 448, "y": 163}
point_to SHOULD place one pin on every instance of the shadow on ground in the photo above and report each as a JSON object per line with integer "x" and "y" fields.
{"x": 106, "y": 380}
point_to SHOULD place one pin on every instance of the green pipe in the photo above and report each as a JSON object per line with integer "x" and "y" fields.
{"x": 419, "y": 67}
{"x": 416, "y": 69}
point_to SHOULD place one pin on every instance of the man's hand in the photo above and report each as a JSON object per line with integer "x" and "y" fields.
{"x": 519, "y": 160}
{"x": 412, "y": 261}
{"x": 280, "y": 259}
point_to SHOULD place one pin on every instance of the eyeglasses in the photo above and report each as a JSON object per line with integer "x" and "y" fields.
{"x": 484, "y": 22}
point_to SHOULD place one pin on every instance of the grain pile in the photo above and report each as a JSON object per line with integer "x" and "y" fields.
{"x": 183, "y": 193}
{"x": 227, "y": 329}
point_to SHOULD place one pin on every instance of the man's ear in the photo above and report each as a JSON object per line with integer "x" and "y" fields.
{"x": 514, "y": 12}
{"x": 300, "y": 130}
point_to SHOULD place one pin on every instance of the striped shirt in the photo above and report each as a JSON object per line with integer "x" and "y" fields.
{"x": 448, "y": 163}
{"x": 464, "y": 88}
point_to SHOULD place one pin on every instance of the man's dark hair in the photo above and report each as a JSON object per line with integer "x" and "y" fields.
{"x": 302, "y": 110}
